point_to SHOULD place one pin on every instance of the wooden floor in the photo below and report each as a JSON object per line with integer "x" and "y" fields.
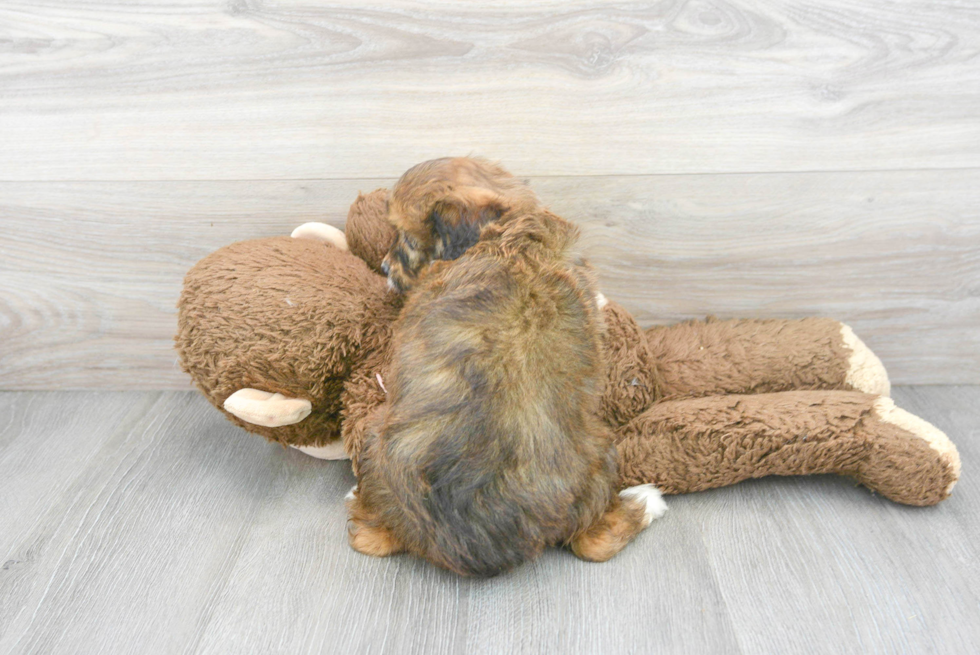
{"x": 143, "y": 522}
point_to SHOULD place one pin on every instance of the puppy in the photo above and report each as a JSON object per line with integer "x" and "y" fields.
{"x": 439, "y": 207}
{"x": 489, "y": 448}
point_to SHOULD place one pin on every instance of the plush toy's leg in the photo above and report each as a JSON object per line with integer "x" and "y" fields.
{"x": 321, "y": 232}
{"x": 700, "y": 443}
{"x": 700, "y": 358}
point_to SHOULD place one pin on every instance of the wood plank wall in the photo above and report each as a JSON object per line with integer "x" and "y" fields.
{"x": 740, "y": 158}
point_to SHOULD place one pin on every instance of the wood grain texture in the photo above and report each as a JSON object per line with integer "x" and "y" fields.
{"x": 858, "y": 572}
{"x": 145, "y": 522}
{"x": 119, "y": 90}
{"x": 134, "y": 549}
{"x": 90, "y": 272}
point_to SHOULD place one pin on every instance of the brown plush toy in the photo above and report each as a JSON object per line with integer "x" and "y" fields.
{"x": 289, "y": 337}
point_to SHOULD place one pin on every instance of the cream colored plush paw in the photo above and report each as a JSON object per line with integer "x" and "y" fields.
{"x": 333, "y": 450}
{"x": 321, "y": 232}
{"x": 865, "y": 372}
{"x": 650, "y": 497}
{"x": 271, "y": 410}
{"x": 888, "y": 412}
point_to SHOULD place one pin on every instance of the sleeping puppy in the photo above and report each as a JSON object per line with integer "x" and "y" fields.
{"x": 489, "y": 448}
{"x": 439, "y": 207}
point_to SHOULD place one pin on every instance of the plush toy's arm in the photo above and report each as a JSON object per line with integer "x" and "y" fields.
{"x": 363, "y": 396}
{"x": 700, "y": 358}
{"x": 271, "y": 410}
{"x": 701, "y": 443}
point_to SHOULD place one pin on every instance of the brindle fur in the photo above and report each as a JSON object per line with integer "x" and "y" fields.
{"x": 439, "y": 207}
{"x": 489, "y": 448}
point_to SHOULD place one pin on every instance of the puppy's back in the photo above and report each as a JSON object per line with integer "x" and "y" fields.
{"x": 490, "y": 450}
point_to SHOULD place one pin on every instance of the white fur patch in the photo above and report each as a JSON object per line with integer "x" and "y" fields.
{"x": 601, "y": 300}
{"x": 652, "y": 500}
{"x": 350, "y": 494}
{"x": 888, "y": 412}
{"x": 865, "y": 372}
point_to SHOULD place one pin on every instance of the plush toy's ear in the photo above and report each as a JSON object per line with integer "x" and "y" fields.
{"x": 369, "y": 234}
{"x": 321, "y": 232}
{"x": 458, "y": 219}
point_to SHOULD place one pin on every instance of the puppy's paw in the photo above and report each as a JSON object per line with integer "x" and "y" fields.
{"x": 649, "y": 498}
{"x": 372, "y": 539}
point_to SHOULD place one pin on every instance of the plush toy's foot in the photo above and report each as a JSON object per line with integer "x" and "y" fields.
{"x": 271, "y": 410}
{"x": 913, "y": 461}
{"x": 865, "y": 372}
{"x": 321, "y": 232}
{"x": 333, "y": 450}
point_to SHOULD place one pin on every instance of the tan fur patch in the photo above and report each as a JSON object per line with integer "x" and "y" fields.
{"x": 374, "y": 541}
{"x": 611, "y": 533}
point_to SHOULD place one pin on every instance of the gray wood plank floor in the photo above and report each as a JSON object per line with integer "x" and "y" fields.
{"x": 144, "y": 522}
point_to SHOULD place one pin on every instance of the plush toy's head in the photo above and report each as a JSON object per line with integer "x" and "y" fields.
{"x": 284, "y": 315}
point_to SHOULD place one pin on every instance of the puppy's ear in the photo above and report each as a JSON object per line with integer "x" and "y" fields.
{"x": 457, "y": 220}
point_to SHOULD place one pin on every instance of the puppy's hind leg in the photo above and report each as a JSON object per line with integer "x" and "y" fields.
{"x": 365, "y": 533}
{"x": 629, "y": 515}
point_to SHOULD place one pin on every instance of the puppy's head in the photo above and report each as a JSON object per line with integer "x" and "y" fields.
{"x": 439, "y": 208}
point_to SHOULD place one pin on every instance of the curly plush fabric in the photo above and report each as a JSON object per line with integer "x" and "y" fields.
{"x": 633, "y": 380}
{"x": 700, "y": 358}
{"x": 363, "y": 395}
{"x": 715, "y": 441}
{"x": 369, "y": 235}
{"x": 283, "y": 315}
